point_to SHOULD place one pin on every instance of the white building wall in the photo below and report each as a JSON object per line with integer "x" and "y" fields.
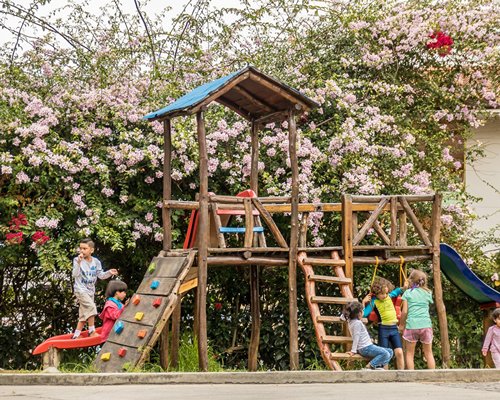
{"x": 482, "y": 178}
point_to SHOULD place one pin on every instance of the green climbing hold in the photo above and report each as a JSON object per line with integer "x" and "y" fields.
{"x": 152, "y": 267}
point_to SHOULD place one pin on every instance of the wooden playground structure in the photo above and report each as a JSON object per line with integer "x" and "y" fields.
{"x": 382, "y": 228}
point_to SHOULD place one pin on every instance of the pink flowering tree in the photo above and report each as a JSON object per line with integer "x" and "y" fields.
{"x": 400, "y": 87}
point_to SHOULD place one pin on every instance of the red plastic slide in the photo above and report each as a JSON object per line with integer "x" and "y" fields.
{"x": 65, "y": 342}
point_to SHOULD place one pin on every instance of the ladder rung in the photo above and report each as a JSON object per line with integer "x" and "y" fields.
{"x": 331, "y": 279}
{"x": 331, "y": 300}
{"x": 336, "y": 339}
{"x": 346, "y": 356}
{"x": 323, "y": 261}
{"x": 330, "y": 319}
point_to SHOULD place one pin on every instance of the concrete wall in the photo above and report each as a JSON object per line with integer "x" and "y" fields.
{"x": 485, "y": 172}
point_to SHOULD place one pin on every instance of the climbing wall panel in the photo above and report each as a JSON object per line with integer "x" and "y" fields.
{"x": 138, "y": 328}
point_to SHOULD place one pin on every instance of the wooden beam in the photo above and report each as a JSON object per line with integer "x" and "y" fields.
{"x": 254, "y": 166}
{"x": 438, "y": 288}
{"x": 271, "y": 116}
{"x": 203, "y": 237}
{"x": 268, "y": 219}
{"x": 394, "y": 221}
{"x": 294, "y": 237}
{"x": 248, "y": 242}
{"x": 403, "y": 228}
{"x": 275, "y": 88}
{"x": 380, "y": 231}
{"x": 303, "y": 230}
{"x": 236, "y": 108}
{"x": 218, "y": 224}
{"x": 220, "y": 92}
{"x": 347, "y": 242}
{"x": 416, "y": 223}
{"x": 167, "y": 184}
{"x": 176, "y": 334}
{"x": 237, "y": 261}
{"x": 370, "y": 221}
{"x": 252, "y": 99}
{"x": 165, "y": 347}
{"x": 253, "y": 348}
{"x": 377, "y": 199}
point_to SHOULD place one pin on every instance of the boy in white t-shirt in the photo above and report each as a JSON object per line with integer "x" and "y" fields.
{"x": 86, "y": 270}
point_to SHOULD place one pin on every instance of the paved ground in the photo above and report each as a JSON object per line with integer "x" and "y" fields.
{"x": 333, "y": 391}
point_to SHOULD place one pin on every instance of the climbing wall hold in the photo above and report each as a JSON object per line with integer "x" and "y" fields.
{"x": 138, "y": 316}
{"x": 157, "y": 302}
{"x": 119, "y": 327}
{"x": 155, "y": 284}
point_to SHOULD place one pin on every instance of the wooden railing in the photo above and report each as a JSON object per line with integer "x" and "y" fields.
{"x": 384, "y": 219}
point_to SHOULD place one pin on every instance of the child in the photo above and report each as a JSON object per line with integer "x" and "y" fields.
{"x": 388, "y": 334}
{"x": 361, "y": 342}
{"x": 492, "y": 339}
{"x": 86, "y": 270}
{"x": 115, "y": 294}
{"x": 416, "y": 320}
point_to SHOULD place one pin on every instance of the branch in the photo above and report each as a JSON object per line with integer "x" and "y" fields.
{"x": 136, "y": 2}
{"x": 42, "y": 24}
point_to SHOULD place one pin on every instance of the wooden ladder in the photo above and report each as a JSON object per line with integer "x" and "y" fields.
{"x": 313, "y": 300}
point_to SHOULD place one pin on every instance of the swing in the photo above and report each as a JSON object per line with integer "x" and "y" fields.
{"x": 374, "y": 315}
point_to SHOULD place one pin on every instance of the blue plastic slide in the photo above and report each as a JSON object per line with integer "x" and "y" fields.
{"x": 457, "y": 271}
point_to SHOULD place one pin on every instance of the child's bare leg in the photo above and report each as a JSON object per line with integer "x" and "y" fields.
{"x": 429, "y": 357}
{"x": 410, "y": 355}
{"x": 80, "y": 325}
{"x": 400, "y": 359}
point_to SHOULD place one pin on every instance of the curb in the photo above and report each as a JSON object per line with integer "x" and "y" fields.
{"x": 275, "y": 377}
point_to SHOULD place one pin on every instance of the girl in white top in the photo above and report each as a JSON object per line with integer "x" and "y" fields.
{"x": 361, "y": 343}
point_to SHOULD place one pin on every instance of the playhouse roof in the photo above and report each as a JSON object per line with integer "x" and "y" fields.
{"x": 249, "y": 92}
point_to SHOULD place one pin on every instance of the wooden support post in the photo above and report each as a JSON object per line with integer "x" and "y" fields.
{"x": 394, "y": 221}
{"x": 438, "y": 289}
{"x": 403, "y": 229}
{"x": 253, "y": 348}
{"x": 294, "y": 237}
{"x": 355, "y": 223}
{"x": 203, "y": 236}
{"x": 303, "y": 230}
{"x": 167, "y": 184}
{"x": 51, "y": 358}
{"x": 248, "y": 241}
{"x": 347, "y": 237}
{"x": 165, "y": 347}
{"x": 176, "y": 335}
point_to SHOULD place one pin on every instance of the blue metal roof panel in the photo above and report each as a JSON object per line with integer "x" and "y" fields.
{"x": 195, "y": 96}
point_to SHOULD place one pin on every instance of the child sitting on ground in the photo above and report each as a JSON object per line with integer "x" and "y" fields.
{"x": 388, "y": 334}
{"x": 86, "y": 270}
{"x": 492, "y": 339}
{"x": 416, "y": 320}
{"x": 113, "y": 308}
{"x": 361, "y": 342}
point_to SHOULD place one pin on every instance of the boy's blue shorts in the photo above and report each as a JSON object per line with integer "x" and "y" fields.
{"x": 388, "y": 337}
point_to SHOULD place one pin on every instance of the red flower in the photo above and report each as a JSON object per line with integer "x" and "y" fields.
{"x": 441, "y": 42}
{"x": 218, "y": 306}
{"x": 39, "y": 237}
{"x": 17, "y": 222}
{"x": 14, "y": 238}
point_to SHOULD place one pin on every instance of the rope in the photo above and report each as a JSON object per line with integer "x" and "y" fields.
{"x": 403, "y": 275}
{"x": 374, "y": 271}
